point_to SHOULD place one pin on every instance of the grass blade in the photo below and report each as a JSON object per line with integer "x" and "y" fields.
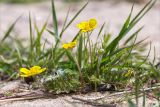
{"x": 133, "y": 35}
{"x": 64, "y": 23}
{"x": 31, "y": 38}
{"x": 54, "y": 17}
{"x": 70, "y": 22}
{"x": 7, "y": 34}
{"x": 114, "y": 43}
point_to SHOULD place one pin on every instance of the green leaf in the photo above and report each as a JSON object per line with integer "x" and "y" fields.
{"x": 64, "y": 23}
{"x": 70, "y": 56}
{"x": 115, "y": 42}
{"x": 149, "y": 5}
{"x": 55, "y": 22}
{"x": 70, "y": 22}
{"x": 60, "y": 56}
{"x": 54, "y": 35}
{"x": 39, "y": 36}
{"x": 19, "y": 55}
{"x": 107, "y": 58}
{"x": 31, "y": 38}
{"x": 100, "y": 31}
{"x": 7, "y": 34}
{"x": 129, "y": 25}
{"x": 133, "y": 35}
{"x": 145, "y": 57}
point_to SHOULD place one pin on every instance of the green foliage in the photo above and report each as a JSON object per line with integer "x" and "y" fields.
{"x": 8, "y": 60}
{"x": 63, "y": 81}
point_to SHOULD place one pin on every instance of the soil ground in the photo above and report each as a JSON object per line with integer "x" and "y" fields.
{"x": 65, "y": 100}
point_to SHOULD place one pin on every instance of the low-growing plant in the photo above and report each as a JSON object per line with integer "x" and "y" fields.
{"x": 8, "y": 55}
{"x": 82, "y": 63}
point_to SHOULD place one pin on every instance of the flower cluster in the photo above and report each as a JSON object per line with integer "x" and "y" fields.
{"x": 24, "y": 72}
{"x": 84, "y": 26}
{"x": 70, "y": 45}
{"x": 87, "y": 26}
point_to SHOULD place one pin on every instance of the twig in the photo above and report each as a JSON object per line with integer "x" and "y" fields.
{"x": 120, "y": 93}
{"x": 17, "y": 96}
{"x": 20, "y": 99}
{"x": 24, "y": 94}
{"x": 94, "y": 103}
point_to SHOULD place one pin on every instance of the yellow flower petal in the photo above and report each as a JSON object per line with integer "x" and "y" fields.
{"x": 35, "y": 68}
{"x": 24, "y": 70}
{"x": 83, "y": 26}
{"x": 65, "y": 46}
{"x": 70, "y": 45}
{"x": 87, "y": 26}
{"x": 32, "y": 71}
{"x": 92, "y": 23}
{"x": 24, "y": 75}
{"x": 42, "y": 70}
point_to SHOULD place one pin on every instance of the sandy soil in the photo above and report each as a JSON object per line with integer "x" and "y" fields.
{"x": 18, "y": 88}
{"x": 56, "y": 101}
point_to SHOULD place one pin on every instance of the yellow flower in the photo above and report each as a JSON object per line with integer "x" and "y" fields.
{"x": 70, "y": 45}
{"x": 86, "y": 26}
{"x": 65, "y": 46}
{"x": 24, "y": 72}
{"x": 128, "y": 73}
